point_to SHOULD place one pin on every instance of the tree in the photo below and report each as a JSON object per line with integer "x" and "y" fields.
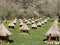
{"x": 7, "y": 12}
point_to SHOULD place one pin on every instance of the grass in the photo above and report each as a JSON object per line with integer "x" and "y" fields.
{"x": 34, "y": 38}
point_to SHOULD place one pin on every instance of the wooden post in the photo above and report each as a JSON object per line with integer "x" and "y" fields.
{"x": 49, "y": 39}
{"x": 56, "y": 38}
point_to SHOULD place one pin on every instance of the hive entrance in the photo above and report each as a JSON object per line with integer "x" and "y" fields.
{"x": 24, "y": 31}
{"x": 4, "y": 37}
{"x": 50, "y": 38}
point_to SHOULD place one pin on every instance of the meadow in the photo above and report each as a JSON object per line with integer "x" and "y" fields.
{"x": 35, "y": 37}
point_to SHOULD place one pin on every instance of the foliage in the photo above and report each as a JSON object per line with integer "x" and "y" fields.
{"x": 7, "y": 12}
{"x": 22, "y": 8}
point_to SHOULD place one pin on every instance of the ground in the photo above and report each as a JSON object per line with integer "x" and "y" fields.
{"x": 35, "y": 37}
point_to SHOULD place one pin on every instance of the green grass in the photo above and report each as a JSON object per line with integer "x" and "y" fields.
{"x": 34, "y": 38}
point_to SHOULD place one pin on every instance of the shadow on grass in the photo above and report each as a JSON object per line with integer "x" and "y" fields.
{"x": 45, "y": 39}
{"x": 10, "y": 41}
